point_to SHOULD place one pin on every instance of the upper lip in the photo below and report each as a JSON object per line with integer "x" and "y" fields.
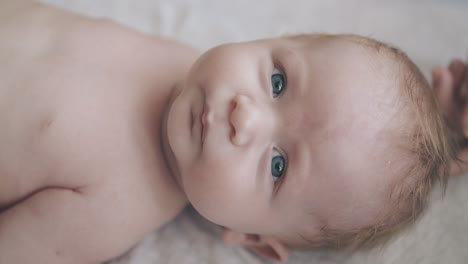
{"x": 203, "y": 122}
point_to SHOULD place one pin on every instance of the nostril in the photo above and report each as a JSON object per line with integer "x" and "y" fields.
{"x": 233, "y": 105}
{"x": 232, "y": 134}
{"x": 233, "y": 109}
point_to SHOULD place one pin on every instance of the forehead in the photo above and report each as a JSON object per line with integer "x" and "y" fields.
{"x": 345, "y": 106}
{"x": 347, "y": 77}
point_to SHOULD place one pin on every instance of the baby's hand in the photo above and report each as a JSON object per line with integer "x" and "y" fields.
{"x": 451, "y": 90}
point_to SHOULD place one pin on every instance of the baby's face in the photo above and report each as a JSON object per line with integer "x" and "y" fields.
{"x": 277, "y": 136}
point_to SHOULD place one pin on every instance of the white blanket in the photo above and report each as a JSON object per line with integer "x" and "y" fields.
{"x": 431, "y": 32}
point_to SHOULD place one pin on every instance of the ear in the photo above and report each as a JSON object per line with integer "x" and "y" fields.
{"x": 451, "y": 91}
{"x": 262, "y": 245}
{"x": 442, "y": 83}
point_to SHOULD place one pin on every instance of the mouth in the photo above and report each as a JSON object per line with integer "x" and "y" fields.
{"x": 204, "y": 124}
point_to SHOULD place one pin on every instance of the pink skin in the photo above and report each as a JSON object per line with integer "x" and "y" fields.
{"x": 327, "y": 123}
{"x": 451, "y": 89}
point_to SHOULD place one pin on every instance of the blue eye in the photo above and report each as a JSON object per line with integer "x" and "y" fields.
{"x": 278, "y": 82}
{"x": 278, "y": 166}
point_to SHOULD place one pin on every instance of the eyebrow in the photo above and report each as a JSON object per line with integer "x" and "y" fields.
{"x": 294, "y": 66}
{"x": 303, "y": 160}
{"x": 261, "y": 167}
{"x": 297, "y": 169}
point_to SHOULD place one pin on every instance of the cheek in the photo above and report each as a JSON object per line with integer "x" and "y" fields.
{"x": 224, "y": 66}
{"x": 211, "y": 63}
{"x": 221, "y": 190}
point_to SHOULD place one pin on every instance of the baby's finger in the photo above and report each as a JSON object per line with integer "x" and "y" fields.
{"x": 458, "y": 71}
{"x": 464, "y": 86}
{"x": 465, "y": 75}
{"x": 461, "y": 166}
{"x": 442, "y": 83}
{"x": 464, "y": 122}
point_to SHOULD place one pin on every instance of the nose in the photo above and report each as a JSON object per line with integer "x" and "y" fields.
{"x": 245, "y": 119}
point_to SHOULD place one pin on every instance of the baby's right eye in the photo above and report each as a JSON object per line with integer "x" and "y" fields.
{"x": 278, "y": 166}
{"x": 278, "y": 82}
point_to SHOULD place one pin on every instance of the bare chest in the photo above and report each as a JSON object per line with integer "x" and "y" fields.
{"x": 69, "y": 120}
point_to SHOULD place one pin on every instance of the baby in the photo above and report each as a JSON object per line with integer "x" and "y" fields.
{"x": 302, "y": 141}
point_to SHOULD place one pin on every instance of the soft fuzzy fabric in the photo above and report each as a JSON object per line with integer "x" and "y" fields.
{"x": 431, "y": 32}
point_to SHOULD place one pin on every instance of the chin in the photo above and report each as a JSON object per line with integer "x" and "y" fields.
{"x": 208, "y": 208}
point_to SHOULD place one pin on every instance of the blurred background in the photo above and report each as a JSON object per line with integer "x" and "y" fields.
{"x": 430, "y": 32}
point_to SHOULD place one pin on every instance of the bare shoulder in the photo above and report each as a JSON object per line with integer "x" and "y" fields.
{"x": 171, "y": 54}
{"x": 41, "y": 27}
{"x": 11, "y": 9}
{"x": 30, "y": 15}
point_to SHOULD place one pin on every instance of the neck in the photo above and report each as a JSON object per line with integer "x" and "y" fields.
{"x": 167, "y": 153}
{"x": 153, "y": 108}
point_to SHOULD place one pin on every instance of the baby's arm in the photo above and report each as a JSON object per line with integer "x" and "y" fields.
{"x": 451, "y": 90}
{"x": 63, "y": 226}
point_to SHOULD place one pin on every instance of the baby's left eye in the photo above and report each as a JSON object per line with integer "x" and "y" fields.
{"x": 278, "y": 166}
{"x": 278, "y": 82}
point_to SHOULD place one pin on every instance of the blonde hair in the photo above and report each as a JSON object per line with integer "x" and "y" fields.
{"x": 429, "y": 144}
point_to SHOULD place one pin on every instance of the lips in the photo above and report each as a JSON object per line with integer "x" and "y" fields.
{"x": 204, "y": 122}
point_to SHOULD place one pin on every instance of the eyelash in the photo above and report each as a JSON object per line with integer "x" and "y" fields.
{"x": 280, "y": 68}
{"x": 277, "y": 184}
